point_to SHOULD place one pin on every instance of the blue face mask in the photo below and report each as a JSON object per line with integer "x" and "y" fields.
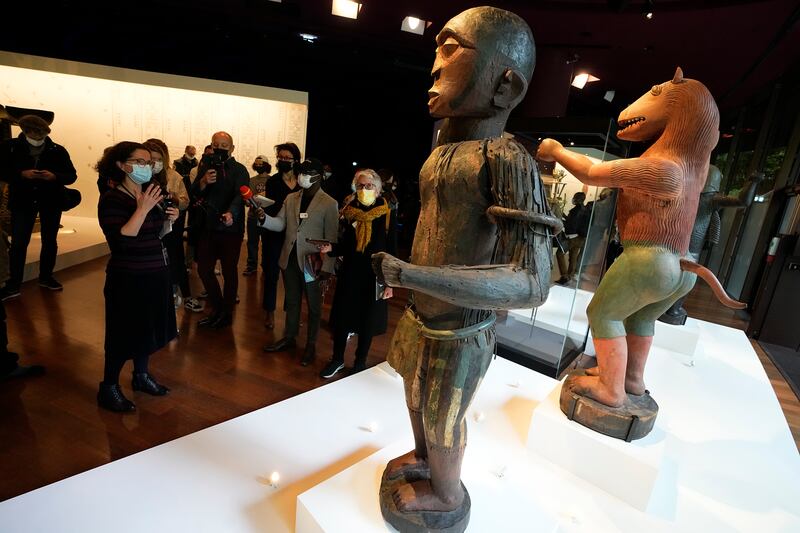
{"x": 141, "y": 174}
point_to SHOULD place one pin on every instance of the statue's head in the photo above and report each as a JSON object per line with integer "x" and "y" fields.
{"x": 484, "y": 61}
{"x": 713, "y": 181}
{"x": 683, "y": 106}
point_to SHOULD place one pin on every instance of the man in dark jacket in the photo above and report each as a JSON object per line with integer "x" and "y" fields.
{"x": 36, "y": 169}
{"x": 220, "y": 213}
{"x": 186, "y": 163}
{"x": 576, "y": 227}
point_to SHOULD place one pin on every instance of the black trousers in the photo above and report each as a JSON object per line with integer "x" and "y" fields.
{"x": 173, "y": 242}
{"x": 273, "y": 243}
{"x": 225, "y": 247}
{"x": 255, "y": 234}
{"x": 22, "y": 220}
{"x": 295, "y": 285}
{"x": 340, "y": 344}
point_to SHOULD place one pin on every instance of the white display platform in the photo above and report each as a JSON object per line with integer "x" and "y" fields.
{"x": 80, "y": 240}
{"x": 628, "y": 470}
{"x": 735, "y": 465}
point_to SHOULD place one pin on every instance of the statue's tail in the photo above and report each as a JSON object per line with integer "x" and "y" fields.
{"x": 713, "y": 282}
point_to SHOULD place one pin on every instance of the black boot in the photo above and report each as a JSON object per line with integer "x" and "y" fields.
{"x": 308, "y": 357}
{"x": 208, "y": 320}
{"x": 285, "y": 344}
{"x": 144, "y": 382}
{"x": 110, "y": 397}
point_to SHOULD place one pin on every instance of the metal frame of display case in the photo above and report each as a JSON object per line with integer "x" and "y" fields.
{"x": 537, "y": 341}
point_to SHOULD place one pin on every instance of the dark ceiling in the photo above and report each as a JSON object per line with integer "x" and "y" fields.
{"x": 367, "y": 80}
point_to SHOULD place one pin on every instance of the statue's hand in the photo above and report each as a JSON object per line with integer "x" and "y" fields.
{"x": 388, "y": 269}
{"x": 548, "y": 149}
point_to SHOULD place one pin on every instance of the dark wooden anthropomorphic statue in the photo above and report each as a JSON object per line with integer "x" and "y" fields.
{"x": 482, "y": 243}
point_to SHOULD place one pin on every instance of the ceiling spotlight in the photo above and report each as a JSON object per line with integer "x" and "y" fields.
{"x": 355, "y": 163}
{"x": 309, "y": 37}
{"x": 414, "y": 25}
{"x": 582, "y": 79}
{"x": 346, "y": 8}
{"x": 648, "y": 9}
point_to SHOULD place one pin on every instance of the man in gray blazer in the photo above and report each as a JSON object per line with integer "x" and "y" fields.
{"x": 307, "y": 214}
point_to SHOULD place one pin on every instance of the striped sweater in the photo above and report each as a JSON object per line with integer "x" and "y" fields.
{"x": 140, "y": 254}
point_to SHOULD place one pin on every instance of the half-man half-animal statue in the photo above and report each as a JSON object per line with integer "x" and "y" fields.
{"x": 659, "y": 194}
{"x": 482, "y": 243}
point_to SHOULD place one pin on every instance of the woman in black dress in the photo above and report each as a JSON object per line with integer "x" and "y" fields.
{"x": 278, "y": 187}
{"x": 140, "y": 315}
{"x": 359, "y": 305}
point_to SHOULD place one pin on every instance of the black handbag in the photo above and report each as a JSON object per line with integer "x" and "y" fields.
{"x": 70, "y": 199}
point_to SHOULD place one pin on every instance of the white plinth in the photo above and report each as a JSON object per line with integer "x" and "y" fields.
{"x": 628, "y": 470}
{"x": 348, "y": 502}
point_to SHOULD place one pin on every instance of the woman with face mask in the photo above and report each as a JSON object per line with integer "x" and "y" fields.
{"x": 172, "y": 183}
{"x": 359, "y": 305}
{"x": 140, "y": 317}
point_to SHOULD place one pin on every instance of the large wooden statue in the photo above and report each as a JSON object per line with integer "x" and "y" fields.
{"x": 659, "y": 193}
{"x": 482, "y": 243}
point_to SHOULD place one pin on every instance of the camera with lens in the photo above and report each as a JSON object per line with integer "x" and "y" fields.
{"x": 167, "y": 202}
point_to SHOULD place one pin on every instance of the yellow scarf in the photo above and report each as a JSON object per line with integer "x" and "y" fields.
{"x": 363, "y": 221}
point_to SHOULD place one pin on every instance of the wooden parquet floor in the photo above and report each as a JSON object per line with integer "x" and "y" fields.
{"x": 51, "y": 427}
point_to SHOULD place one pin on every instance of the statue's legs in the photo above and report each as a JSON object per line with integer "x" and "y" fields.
{"x": 455, "y": 369}
{"x": 409, "y": 358}
{"x": 643, "y": 283}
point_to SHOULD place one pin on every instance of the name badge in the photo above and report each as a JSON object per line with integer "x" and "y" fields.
{"x": 303, "y": 215}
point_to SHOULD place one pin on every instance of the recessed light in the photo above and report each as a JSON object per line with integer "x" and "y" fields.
{"x": 346, "y": 8}
{"x": 309, "y": 37}
{"x": 414, "y": 25}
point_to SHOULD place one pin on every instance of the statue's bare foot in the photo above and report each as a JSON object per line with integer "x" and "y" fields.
{"x": 592, "y": 387}
{"x": 419, "y": 496}
{"x": 633, "y": 384}
{"x": 407, "y": 465}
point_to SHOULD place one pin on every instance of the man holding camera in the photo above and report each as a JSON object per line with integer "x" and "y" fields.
{"x": 36, "y": 169}
{"x": 220, "y": 225}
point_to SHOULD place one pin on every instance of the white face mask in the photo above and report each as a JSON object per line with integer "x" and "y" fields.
{"x": 34, "y": 142}
{"x": 158, "y": 166}
{"x": 328, "y": 175}
{"x": 188, "y": 156}
{"x": 305, "y": 181}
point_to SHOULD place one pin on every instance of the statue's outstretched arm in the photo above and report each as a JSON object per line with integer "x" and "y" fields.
{"x": 745, "y": 197}
{"x": 473, "y": 287}
{"x": 660, "y": 178}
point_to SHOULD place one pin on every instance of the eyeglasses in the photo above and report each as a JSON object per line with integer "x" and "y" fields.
{"x": 141, "y": 162}
{"x": 368, "y": 186}
{"x": 286, "y": 159}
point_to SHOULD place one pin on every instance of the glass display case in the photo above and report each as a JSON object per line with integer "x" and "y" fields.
{"x": 548, "y": 338}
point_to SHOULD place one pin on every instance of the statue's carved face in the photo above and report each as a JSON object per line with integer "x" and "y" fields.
{"x": 463, "y": 78}
{"x": 646, "y": 118}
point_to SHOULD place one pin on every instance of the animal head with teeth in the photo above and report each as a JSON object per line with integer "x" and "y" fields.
{"x": 682, "y": 107}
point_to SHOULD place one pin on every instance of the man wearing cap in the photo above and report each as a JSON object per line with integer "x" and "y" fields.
{"x": 309, "y": 214}
{"x": 255, "y": 233}
{"x": 36, "y": 169}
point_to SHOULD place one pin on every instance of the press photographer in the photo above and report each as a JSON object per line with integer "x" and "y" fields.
{"x": 220, "y": 226}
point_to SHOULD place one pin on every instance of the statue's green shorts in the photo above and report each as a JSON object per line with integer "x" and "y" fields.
{"x": 639, "y": 287}
{"x": 441, "y": 370}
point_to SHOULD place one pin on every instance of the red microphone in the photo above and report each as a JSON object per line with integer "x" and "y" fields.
{"x": 247, "y": 196}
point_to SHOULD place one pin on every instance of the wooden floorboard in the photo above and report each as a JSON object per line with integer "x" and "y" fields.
{"x": 51, "y": 428}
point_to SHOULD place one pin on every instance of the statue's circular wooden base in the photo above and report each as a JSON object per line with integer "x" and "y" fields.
{"x": 633, "y": 420}
{"x": 454, "y": 521}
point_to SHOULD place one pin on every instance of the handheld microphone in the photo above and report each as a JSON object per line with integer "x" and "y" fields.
{"x": 247, "y": 196}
